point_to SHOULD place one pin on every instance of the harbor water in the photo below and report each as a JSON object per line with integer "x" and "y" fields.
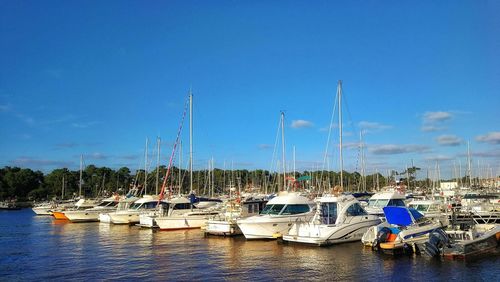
{"x": 39, "y": 248}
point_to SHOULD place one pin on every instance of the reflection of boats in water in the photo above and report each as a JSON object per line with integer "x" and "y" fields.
{"x": 338, "y": 219}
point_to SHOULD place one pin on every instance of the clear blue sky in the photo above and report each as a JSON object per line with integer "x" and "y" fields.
{"x": 96, "y": 78}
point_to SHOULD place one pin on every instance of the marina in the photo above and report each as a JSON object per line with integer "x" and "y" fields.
{"x": 39, "y": 248}
{"x": 245, "y": 140}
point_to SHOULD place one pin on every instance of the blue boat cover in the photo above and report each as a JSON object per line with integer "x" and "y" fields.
{"x": 402, "y": 216}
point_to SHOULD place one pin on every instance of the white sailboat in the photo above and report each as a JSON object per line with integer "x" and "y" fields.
{"x": 193, "y": 217}
{"x": 339, "y": 218}
{"x": 280, "y": 212}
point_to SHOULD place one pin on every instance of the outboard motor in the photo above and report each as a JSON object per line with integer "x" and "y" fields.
{"x": 438, "y": 239}
{"x": 382, "y": 237}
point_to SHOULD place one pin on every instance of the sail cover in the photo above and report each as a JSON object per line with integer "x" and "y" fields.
{"x": 401, "y": 215}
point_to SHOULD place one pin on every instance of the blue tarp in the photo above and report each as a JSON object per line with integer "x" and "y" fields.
{"x": 401, "y": 215}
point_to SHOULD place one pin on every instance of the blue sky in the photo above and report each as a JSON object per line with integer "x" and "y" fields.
{"x": 421, "y": 78}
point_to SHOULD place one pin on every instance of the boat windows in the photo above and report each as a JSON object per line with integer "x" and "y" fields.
{"x": 355, "y": 210}
{"x": 135, "y": 206}
{"x": 328, "y": 213}
{"x": 380, "y": 203}
{"x": 420, "y": 208}
{"x": 272, "y": 209}
{"x": 182, "y": 206}
{"x": 295, "y": 209}
{"x": 396, "y": 203}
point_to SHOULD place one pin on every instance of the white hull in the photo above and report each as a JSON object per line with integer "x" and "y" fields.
{"x": 321, "y": 235}
{"x": 148, "y": 220}
{"x": 187, "y": 221}
{"x": 42, "y": 210}
{"x": 127, "y": 217}
{"x": 104, "y": 218}
{"x": 268, "y": 226}
{"x": 223, "y": 227}
{"x": 85, "y": 215}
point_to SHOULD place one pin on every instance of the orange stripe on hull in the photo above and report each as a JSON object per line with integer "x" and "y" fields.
{"x": 59, "y": 215}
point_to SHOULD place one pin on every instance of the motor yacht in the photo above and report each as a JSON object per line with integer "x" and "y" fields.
{"x": 338, "y": 219}
{"x": 278, "y": 216}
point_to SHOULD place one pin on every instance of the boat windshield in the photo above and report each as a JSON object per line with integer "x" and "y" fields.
{"x": 396, "y": 203}
{"x": 420, "y": 208}
{"x": 380, "y": 203}
{"x": 328, "y": 213}
{"x": 272, "y": 209}
{"x": 135, "y": 206}
{"x": 182, "y": 206}
{"x": 296, "y": 209}
{"x": 108, "y": 204}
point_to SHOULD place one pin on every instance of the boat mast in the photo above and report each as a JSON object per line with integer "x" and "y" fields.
{"x": 158, "y": 166}
{"x": 190, "y": 140}
{"x": 146, "y": 168}
{"x": 81, "y": 174}
{"x": 180, "y": 166}
{"x": 283, "y": 149}
{"x": 469, "y": 172}
{"x": 339, "y": 93}
{"x": 62, "y": 188}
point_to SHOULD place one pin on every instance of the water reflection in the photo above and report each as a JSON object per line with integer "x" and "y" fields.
{"x": 40, "y": 248}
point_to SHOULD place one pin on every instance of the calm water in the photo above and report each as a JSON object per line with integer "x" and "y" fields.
{"x": 37, "y": 248}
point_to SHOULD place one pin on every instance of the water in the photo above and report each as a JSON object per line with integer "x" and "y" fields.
{"x": 38, "y": 248}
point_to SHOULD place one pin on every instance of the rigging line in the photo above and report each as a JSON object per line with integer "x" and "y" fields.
{"x": 274, "y": 156}
{"x": 329, "y": 135}
{"x": 173, "y": 154}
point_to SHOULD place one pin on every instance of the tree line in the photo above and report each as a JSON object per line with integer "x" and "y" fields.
{"x": 25, "y": 184}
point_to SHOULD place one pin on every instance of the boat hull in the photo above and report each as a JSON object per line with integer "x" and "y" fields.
{"x": 323, "y": 235}
{"x": 59, "y": 215}
{"x": 222, "y": 228}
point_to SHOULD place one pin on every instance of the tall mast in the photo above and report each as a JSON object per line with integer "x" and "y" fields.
{"x": 294, "y": 162}
{"x": 339, "y": 93}
{"x": 158, "y": 166}
{"x": 469, "y": 172}
{"x": 146, "y": 168}
{"x": 190, "y": 140}
{"x": 180, "y": 166}
{"x": 80, "y": 181}
{"x": 62, "y": 188}
{"x": 283, "y": 148}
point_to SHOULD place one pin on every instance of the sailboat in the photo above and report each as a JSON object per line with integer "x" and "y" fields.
{"x": 339, "y": 218}
{"x": 182, "y": 213}
{"x": 81, "y": 204}
{"x": 280, "y": 212}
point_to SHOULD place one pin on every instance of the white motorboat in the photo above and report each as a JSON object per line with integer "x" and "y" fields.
{"x": 123, "y": 204}
{"x": 225, "y": 223}
{"x": 338, "y": 219}
{"x": 431, "y": 209}
{"x": 175, "y": 206}
{"x": 44, "y": 208}
{"x": 145, "y": 204}
{"x": 385, "y": 199}
{"x": 92, "y": 214}
{"x": 278, "y": 216}
{"x": 182, "y": 214}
